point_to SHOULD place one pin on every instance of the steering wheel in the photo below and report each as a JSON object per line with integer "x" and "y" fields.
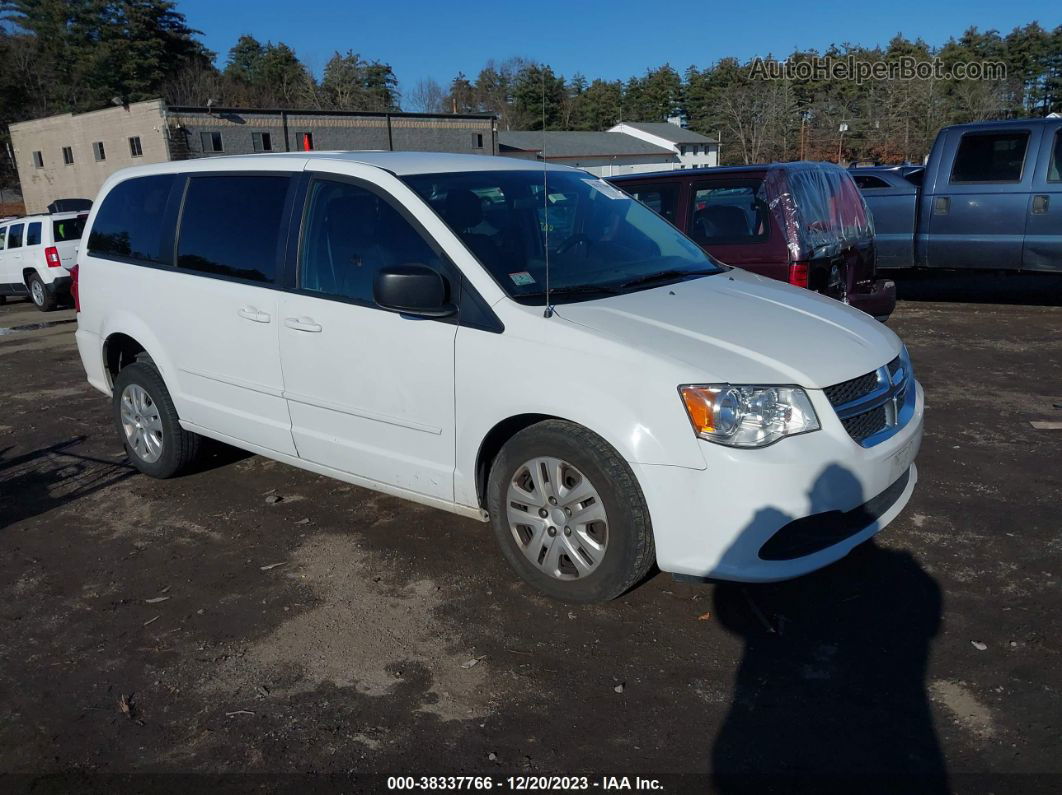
{"x": 572, "y": 242}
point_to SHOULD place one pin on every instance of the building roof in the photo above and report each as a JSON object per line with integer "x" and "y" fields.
{"x": 578, "y": 144}
{"x": 670, "y": 132}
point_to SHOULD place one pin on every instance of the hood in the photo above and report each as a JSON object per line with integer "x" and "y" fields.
{"x": 737, "y": 327}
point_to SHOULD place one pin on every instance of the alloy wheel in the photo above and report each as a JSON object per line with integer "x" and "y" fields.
{"x": 141, "y": 423}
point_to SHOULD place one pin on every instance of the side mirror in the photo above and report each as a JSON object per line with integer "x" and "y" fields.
{"x": 412, "y": 289}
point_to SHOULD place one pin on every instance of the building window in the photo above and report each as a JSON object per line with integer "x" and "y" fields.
{"x": 68, "y": 156}
{"x": 479, "y": 140}
{"x": 98, "y": 151}
{"x": 304, "y": 141}
{"x": 262, "y": 141}
{"x": 135, "y": 149}
{"x": 211, "y": 141}
{"x": 38, "y": 160}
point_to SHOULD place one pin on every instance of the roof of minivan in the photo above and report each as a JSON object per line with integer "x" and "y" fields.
{"x": 399, "y": 163}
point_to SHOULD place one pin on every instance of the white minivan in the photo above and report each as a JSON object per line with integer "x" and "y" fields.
{"x": 523, "y": 345}
{"x": 36, "y": 254}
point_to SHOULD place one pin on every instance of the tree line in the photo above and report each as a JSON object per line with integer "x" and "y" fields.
{"x": 75, "y": 55}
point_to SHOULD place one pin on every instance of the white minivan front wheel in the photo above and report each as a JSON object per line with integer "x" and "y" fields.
{"x": 569, "y": 514}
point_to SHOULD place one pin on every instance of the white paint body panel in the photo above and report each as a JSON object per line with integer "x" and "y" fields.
{"x": 403, "y": 405}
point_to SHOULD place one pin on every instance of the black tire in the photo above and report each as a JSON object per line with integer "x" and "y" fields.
{"x": 42, "y": 298}
{"x": 180, "y": 448}
{"x": 630, "y": 551}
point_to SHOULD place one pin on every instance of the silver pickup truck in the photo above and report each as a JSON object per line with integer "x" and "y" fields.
{"x": 989, "y": 197}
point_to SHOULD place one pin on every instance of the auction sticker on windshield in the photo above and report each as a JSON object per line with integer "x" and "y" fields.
{"x": 521, "y": 278}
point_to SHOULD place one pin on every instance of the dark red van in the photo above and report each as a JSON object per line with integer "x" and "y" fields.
{"x": 802, "y": 223}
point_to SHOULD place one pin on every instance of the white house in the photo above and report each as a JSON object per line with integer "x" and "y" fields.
{"x": 605, "y": 154}
{"x": 693, "y": 150}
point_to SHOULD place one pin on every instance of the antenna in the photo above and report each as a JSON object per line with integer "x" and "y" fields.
{"x": 548, "y": 312}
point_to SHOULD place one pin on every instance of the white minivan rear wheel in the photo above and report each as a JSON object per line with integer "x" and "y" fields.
{"x": 148, "y": 424}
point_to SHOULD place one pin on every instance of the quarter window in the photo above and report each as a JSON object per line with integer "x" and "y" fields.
{"x": 33, "y": 234}
{"x": 231, "y": 226}
{"x": 990, "y": 157}
{"x": 726, "y": 213}
{"x": 3, "y": 237}
{"x": 262, "y": 141}
{"x": 1053, "y": 174}
{"x": 351, "y": 233}
{"x": 98, "y": 151}
{"x": 14, "y": 236}
{"x": 129, "y": 222}
{"x": 38, "y": 160}
{"x": 68, "y": 156}
{"x": 211, "y": 141}
{"x": 135, "y": 149}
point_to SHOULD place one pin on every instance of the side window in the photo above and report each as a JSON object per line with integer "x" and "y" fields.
{"x": 129, "y": 222}
{"x": 33, "y": 234}
{"x": 3, "y": 237}
{"x": 350, "y": 234}
{"x": 231, "y": 226}
{"x": 661, "y": 199}
{"x": 14, "y": 236}
{"x": 990, "y": 157}
{"x": 1053, "y": 172}
{"x": 729, "y": 213}
{"x": 262, "y": 141}
{"x": 867, "y": 182}
{"x": 211, "y": 141}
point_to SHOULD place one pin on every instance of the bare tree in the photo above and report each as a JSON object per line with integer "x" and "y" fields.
{"x": 427, "y": 96}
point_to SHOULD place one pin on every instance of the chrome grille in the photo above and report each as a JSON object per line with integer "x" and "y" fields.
{"x": 872, "y": 407}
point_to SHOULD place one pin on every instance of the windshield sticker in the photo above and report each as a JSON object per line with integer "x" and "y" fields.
{"x": 603, "y": 187}
{"x": 522, "y": 278}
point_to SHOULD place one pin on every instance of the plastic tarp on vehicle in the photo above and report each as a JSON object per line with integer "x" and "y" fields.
{"x": 819, "y": 207}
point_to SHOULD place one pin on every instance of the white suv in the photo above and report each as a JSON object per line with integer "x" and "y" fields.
{"x": 36, "y": 254}
{"x": 519, "y": 344}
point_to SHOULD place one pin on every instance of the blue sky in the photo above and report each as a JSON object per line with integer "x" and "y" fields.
{"x": 613, "y": 39}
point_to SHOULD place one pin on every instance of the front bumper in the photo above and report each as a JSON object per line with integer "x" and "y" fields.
{"x": 879, "y": 301}
{"x": 715, "y": 523}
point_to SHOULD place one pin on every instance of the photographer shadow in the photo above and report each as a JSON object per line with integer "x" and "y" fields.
{"x": 830, "y": 694}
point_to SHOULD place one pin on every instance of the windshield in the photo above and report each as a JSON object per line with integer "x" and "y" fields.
{"x": 68, "y": 228}
{"x": 597, "y": 239}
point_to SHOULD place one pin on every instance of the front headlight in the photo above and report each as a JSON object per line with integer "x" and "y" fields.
{"x": 747, "y": 416}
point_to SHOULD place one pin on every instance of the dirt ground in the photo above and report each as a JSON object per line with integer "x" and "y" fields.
{"x": 195, "y": 626}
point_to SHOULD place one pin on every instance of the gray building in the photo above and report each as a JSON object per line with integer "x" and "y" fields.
{"x": 71, "y": 155}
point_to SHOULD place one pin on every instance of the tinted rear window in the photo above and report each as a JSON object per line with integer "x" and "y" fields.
{"x": 725, "y": 212}
{"x": 129, "y": 223}
{"x": 990, "y": 157}
{"x": 68, "y": 228}
{"x": 231, "y": 226}
{"x": 33, "y": 234}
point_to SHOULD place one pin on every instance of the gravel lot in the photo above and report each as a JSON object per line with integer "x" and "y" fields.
{"x": 195, "y": 625}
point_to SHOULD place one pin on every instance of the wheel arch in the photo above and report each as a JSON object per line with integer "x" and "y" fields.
{"x": 127, "y": 338}
{"x": 495, "y": 440}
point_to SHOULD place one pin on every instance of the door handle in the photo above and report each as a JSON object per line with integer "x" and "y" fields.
{"x": 253, "y": 314}
{"x": 941, "y": 205}
{"x": 1040, "y": 204}
{"x": 303, "y": 324}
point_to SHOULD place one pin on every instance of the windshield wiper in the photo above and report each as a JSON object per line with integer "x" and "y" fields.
{"x": 661, "y": 276}
{"x": 574, "y": 289}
